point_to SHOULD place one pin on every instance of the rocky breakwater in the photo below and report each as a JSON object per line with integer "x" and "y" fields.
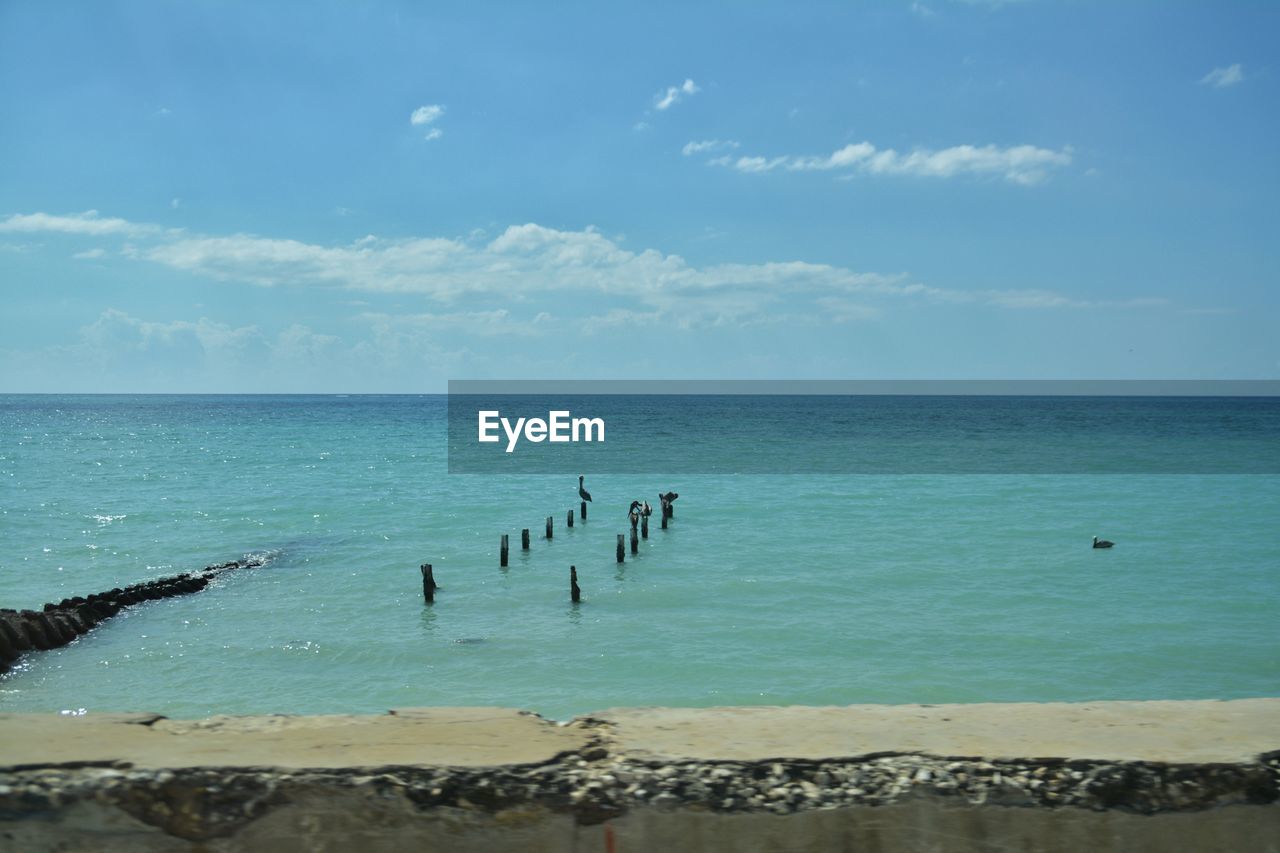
{"x": 57, "y": 624}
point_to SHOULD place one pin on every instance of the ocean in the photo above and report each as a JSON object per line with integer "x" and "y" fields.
{"x": 767, "y": 588}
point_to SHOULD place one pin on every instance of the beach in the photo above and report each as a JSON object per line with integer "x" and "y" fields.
{"x": 1124, "y": 775}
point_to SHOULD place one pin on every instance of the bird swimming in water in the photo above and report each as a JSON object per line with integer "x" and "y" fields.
{"x": 1101, "y": 543}
{"x": 583, "y": 493}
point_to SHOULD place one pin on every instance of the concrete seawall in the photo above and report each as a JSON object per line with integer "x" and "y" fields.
{"x": 1129, "y": 776}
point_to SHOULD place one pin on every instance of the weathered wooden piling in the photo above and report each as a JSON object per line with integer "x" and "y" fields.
{"x": 428, "y": 583}
{"x": 575, "y": 593}
{"x": 622, "y": 548}
{"x": 569, "y": 520}
{"x": 502, "y": 552}
{"x": 548, "y": 527}
{"x": 524, "y": 539}
{"x": 583, "y": 510}
{"x": 644, "y": 526}
{"x": 664, "y": 518}
{"x": 635, "y": 542}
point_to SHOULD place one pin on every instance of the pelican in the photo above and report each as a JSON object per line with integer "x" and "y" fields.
{"x": 1101, "y": 543}
{"x": 646, "y": 510}
{"x": 635, "y": 505}
{"x": 583, "y": 493}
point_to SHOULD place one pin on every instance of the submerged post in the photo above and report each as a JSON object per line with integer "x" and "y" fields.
{"x": 428, "y": 583}
{"x": 583, "y": 509}
{"x": 569, "y": 520}
{"x": 575, "y": 594}
{"x": 664, "y": 518}
{"x": 524, "y": 539}
{"x": 644, "y": 526}
{"x": 502, "y": 552}
{"x": 622, "y": 549}
{"x": 548, "y": 527}
{"x": 635, "y": 542}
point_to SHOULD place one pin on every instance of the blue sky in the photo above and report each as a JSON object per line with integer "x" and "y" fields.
{"x": 378, "y": 197}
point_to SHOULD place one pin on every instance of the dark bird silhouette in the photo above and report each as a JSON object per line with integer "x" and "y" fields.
{"x": 635, "y": 506}
{"x": 583, "y": 493}
{"x": 664, "y": 501}
{"x": 575, "y": 594}
{"x": 646, "y": 510}
{"x": 1101, "y": 543}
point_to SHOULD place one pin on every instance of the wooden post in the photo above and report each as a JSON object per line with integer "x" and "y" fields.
{"x": 524, "y": 539}
{"x": 428, "y": 583}
{"x": 584, "y": 510}
{"x": 575, "y": 594}
{"x": 664, "y": 519}
{"x": 569, "y": 521}
{"x": 548, "y": 527}
{"x": 622, "y": 549}
{"x": 502, "y": 553}
{"x": 635, "y": 542}
{"x": 644, "y": 526}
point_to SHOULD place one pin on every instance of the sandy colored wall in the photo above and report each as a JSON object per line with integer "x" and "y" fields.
{"x": 1099, "y": 776}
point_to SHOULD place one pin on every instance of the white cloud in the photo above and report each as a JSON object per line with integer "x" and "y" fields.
{"x": 90, "y": 254}
{"x": 1021, "y": 164}
{"x": 496, "y": 322}
{"x": 426, "y": 114}
{"x": 922, "y": 11}
{"x": 89, "y": 223}
{"x": 526, "y": 266}
{"x": 616, "y": 318}
{"x": 674, "y": 94}
{"x": 1221, "y": 78}
{"x": 706, "y": 145}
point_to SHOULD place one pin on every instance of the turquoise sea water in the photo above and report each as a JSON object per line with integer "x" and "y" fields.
{"x": 767, "y": 589}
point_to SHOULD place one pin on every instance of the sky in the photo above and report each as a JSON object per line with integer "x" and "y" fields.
{"x": 377, "y": 197}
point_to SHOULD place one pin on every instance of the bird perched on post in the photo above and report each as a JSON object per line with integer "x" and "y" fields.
{"x": 583, "y": 493}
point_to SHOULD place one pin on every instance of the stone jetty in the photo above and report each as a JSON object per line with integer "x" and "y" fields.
{"x": 55, "y": 625}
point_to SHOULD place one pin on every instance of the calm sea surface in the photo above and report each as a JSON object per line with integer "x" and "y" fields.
{"x": 767, "y": 589}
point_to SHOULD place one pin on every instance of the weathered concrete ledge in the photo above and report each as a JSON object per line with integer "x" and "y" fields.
{"x": 1108, "y": 776}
